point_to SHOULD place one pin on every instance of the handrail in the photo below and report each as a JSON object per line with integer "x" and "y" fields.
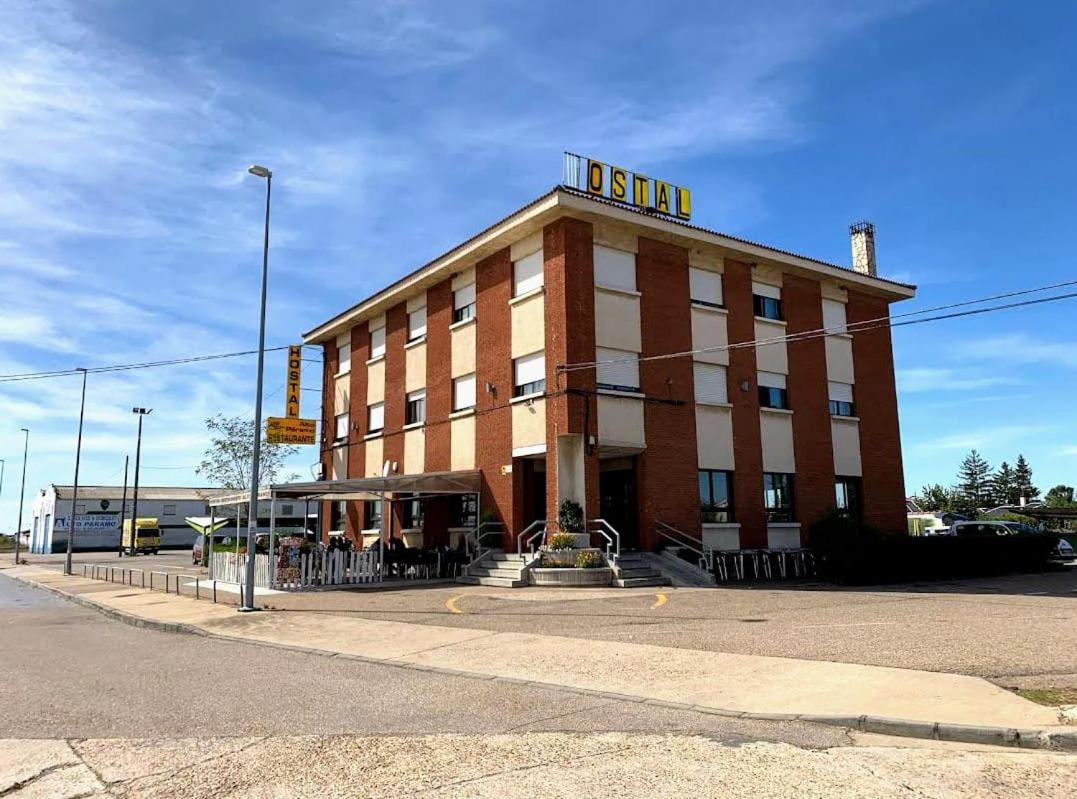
{"x": 704, "y": 554}
{"x": 614, "y": 542}
{"x": 475, "y": 536}
{"x": 529, "y": 541}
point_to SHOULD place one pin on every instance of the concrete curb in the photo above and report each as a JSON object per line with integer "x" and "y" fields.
{"x": 1041, "y": 739}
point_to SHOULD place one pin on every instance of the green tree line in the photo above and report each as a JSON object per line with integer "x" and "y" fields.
{"x": 979, "y": 486}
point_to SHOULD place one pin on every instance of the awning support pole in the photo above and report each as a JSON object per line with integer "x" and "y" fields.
{"x": 272, "y": 539}
{"x": 207, "y": 548}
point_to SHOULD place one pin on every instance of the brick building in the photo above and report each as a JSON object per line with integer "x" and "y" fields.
{"x": 458, "y": 368}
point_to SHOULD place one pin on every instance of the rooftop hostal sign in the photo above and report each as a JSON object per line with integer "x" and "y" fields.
{"x": 631, "y": 188}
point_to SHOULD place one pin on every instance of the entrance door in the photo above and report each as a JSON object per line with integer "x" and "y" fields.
{"x": 617, "y": 501}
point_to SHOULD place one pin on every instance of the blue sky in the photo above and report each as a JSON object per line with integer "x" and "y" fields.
{"x": 129, "y": 230}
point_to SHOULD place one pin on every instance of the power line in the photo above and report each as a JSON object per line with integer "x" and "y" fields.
{"x": 854, "y": 327}
{"x": 130, "y": 366}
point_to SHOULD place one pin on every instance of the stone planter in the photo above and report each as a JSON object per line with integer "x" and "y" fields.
{"x": 562, "y": 558}
{"x": 572, "y": 578}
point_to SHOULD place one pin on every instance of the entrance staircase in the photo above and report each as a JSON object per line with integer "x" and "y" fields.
{"x": 633, "y": 570}
{"x": 506, "y": 570}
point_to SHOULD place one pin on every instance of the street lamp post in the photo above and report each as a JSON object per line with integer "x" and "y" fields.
{"x": 134, "y": 502}
{"x": 252, "y": 514}
{"x": 22, "y": 490}
{"x": 75, "y": 487}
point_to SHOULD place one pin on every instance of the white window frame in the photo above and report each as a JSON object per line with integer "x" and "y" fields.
{"x": 772, "y": 380}
{"x": 338, "y": 434}
{"x": 711, "y": 383}
{"x": 377, "y": 342}
{"x": 614, "y": 269}
{"x": 419, "y": 395}
{"x": 462, "y": 298}
{"x": 620, "y": 376}
{"x": 375, "y": 410}
{"x": 705, "y": 287}
{"x": 534, "y": 367}
{"x": 527, "y": 274}
{"x": 417, "y": 328}
{"x": 834, "y": 316}
{"x": 344, "y": 358}
{"x": 463, "y": 392}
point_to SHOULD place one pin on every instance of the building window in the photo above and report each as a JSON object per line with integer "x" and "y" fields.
{"x": 415, "y": 409}
{"x": 377, "y": 342}
{"x": 463, "y": 392}
{"x": 716, "y": 495}
{"x": 615, "y": 269}
{"x": 341, "y": 427}
{"x": 711, "y": 387}
{"x": 168, "y": 510}
{"x": 287, "y": 510}
{"x": 772, "y": 391}
{"x": 841, "y": 399}
{"x": 767, "y": 307}
{"x": 705, "y": 287}
{"x": 344, "y": 358}
{"x": 375, "y": 417}
{"x": 411, "y": 513}
{"x": 778, "y": 496}
{"x": 529, "y": 374}
{"x": 463, "y": 303}
{"x": 417, "y": 323}
{"x": 337, "y": 511}
{"x": 834, "y": 318}
{"x": 464, "y": 511}
{"x": 80, "y": 509}
{"x": 527, "y": 274}
{"x": 372, "y": 514}
{"x": 617, "y": 370}
{"x": 847, "y": 496}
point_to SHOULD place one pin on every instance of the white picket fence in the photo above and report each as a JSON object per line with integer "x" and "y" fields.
{"x": 230, "y": 568}
{"x": 330, "y": 568}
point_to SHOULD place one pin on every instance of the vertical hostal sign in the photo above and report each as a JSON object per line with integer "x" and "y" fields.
{"x": 290, "y": 429}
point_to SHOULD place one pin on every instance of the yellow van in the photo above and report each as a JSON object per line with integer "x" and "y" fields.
{"x": 148, "y": 536}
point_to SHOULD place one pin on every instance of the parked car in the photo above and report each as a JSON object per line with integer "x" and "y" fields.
{"x": 1064, "y": 552}
{"x": 980, "y": 529}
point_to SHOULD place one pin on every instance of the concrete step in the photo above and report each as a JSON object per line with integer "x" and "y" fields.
{"x": 637, "y": 571}
{"x": 501, "y": 582}
{"x": 680, "y": 571}
{"x": 505, "y": 557}
{"x": 641, "y": 582}
{"x": 493, "y": 571}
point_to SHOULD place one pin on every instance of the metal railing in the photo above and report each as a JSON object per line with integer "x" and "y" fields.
{"x": 474, "y": 538}
{"x": 523, "y": 539}
{"x": 172, "y": 580}
{"x": 613, "y": 542}
{"x": 687, "y": 541}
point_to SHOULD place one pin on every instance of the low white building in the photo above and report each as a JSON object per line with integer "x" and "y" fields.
{"x": 98, "y": 515}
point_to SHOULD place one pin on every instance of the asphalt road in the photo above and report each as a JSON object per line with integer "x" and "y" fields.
{"x": 70, "y": 672}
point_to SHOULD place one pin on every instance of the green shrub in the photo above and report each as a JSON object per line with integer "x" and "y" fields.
{"x": 559, "y": 541}
{"x": 570, "y": 516}
{"x": 586, "y": 559}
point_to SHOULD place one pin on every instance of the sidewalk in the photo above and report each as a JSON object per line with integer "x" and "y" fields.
{"x": 899, "y": 701}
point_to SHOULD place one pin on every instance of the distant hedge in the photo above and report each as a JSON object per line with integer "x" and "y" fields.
{"x": 850, "y": 553}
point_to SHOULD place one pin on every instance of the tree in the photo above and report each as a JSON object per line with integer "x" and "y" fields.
{"x": 1004, "y": 486}
{"x": 1061, "y": 496}
{"x": 227, "y": 460}
{"x": 935, "y": 498}
{"x": 1022, "y": 472}
{"x": 974, "y": 482}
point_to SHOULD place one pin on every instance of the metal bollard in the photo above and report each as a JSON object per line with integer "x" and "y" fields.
{"x": 214, "y": 592}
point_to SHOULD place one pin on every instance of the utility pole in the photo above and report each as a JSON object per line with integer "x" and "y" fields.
{"x": 252, "y": 515}
{"x": 22, "y": 491}
{"x": 75, "y": 487}
{"x": 123, "y": 502}
{"x": 138, "y": 456}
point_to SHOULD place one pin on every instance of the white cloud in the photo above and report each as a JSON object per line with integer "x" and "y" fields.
{"x": 982, "y": 438}
{"x": 942, "y": 380}
{"x": 1020, "y": 349}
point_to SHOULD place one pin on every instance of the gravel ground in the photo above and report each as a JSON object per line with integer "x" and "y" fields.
{"x": 505, "y": 766}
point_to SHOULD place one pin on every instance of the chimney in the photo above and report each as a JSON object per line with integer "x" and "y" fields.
{"x": 862, "y": 236}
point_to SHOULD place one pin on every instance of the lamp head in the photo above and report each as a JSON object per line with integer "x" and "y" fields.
{"x": 259, "y": 171}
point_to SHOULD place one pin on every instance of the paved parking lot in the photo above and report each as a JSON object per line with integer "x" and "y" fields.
{"x": 1019, "y": 630}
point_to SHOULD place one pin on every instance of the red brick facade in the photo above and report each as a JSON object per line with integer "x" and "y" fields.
{"x": 813, "y": 447}
{"x": 747, "y": 438}
{"x": 360, "y": 351}
{"x": 667, "y": 473}
{"x": 438, "y": 376}
{"x": 875, "y": 394}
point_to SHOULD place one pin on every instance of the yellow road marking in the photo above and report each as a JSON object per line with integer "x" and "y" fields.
{"x": 660, "y": 600}
{"x": 451, "y": 604}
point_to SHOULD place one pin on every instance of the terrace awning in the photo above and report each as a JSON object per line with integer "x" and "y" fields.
{"x": 425, "y": 484}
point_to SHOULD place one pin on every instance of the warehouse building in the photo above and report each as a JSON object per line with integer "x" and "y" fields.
{"x": 523, "y": 367}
